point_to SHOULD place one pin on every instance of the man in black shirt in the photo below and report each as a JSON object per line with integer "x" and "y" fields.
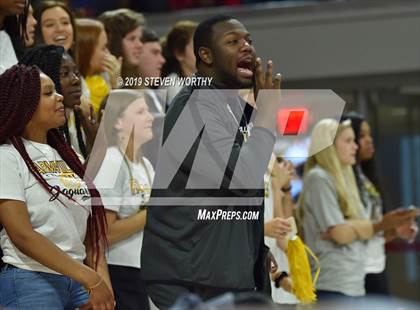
{"x": 211, "y": 164}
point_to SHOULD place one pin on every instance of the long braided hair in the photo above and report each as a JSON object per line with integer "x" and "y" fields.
{"x": 48, "y": 58}
{"x": 19, "y": 99}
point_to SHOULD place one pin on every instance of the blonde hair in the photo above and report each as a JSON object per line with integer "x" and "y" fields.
{"x": 343, "y": 176}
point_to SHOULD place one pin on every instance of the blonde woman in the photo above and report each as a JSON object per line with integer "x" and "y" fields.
{"x": 335, "y": 226}
{"x": 124, "y": 181}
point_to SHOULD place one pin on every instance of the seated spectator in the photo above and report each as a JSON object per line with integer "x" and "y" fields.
{"x": 30, "y": 28}
{"x": 22, "y": 37}
{"x": 99, "y": 68}
{"x": 9, "y": 19}
{"x": 179, "y": 54}
{"x": 56, "y": 25}
{"x": 124, "y": 29}
{"x": 151, "y": 62}
{"x": 151, "y": 59}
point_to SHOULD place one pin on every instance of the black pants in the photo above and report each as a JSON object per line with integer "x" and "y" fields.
{"x": 328, "y": 296}
{"x": 377, "y": 283}
{"x": 165, "y": 295}
{"x": 129, "y": 288}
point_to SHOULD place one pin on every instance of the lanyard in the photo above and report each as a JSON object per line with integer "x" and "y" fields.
{"x": 246, "y": 134}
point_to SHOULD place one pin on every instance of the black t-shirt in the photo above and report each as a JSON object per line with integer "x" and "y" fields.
{"x": 177, "y": 246}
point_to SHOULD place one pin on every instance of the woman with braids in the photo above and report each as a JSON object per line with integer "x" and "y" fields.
{"x": 335, "y": 224}
{"x": 78, "y": 131}
{"x": 54, "y": 227}
{"x": 369, "y": 189}
{"x": 124, "y": 181}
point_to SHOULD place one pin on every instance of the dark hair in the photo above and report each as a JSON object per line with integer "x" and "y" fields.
{"x": 204, "y": 33}
{"x": 15, "y": 83}
{"x": 49, "y": 4}
{"x": 20, "y": 94}
{"x": 117, "y": 24}
{"x": 102, "y": 107}
{"x": 176, "y": 41}
{"x": 15, "y": 26}
{"x": 368, "y": 166}
{"x": 48, "y": 58}
{"x": 149, "y": 36}
{"x": 88, "y": 31}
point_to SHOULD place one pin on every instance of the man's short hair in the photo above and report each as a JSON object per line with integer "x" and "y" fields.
{"x": 204, "y": 33}
{"x": 149, "y": 36}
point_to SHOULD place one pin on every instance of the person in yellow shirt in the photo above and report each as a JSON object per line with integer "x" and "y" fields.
{"x": 97, "y": 65}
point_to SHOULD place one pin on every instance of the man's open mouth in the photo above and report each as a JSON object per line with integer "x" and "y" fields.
{"x": 245, "y": 68}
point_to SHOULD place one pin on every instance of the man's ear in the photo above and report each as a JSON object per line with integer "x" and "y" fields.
{"x": 205, "y": 55}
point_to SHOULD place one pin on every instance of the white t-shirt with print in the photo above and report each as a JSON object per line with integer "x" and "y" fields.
{"x": 65, "y": 226}
{"x": 113, "y": 183}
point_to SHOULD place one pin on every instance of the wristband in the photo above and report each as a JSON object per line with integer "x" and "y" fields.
{"x": 282, "y": 275}
{"x": 90, "y": 289}
{"x": 286, "y": 189}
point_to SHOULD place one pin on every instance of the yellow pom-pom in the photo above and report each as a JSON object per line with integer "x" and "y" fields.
{"x": 98, "y": 89}
{"x": 300, "y": 270}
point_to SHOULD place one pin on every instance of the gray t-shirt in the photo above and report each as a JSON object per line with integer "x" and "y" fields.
{"x": 342, "y": 266}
